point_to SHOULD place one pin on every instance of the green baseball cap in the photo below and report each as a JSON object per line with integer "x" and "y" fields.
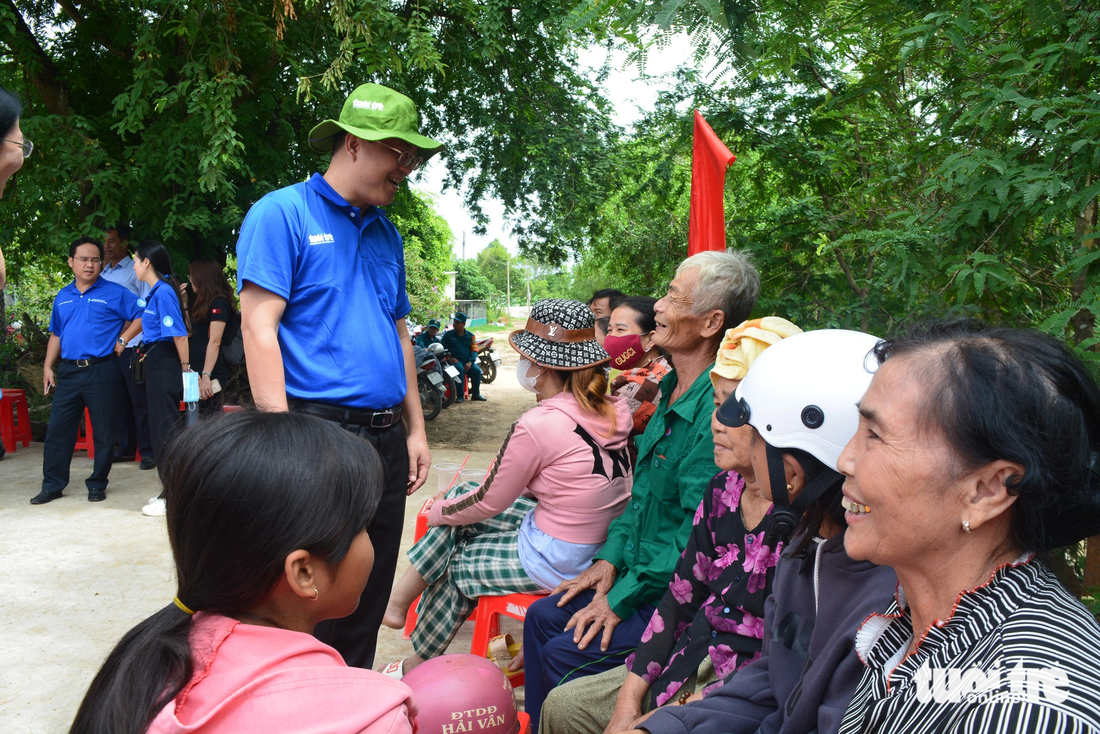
{"x": 374, "y": 112}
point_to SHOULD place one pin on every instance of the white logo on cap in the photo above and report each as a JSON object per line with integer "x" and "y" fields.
{"x": 366, "y": 104}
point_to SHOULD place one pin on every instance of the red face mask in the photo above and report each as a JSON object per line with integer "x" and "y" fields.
{"x": 626, "y": 351}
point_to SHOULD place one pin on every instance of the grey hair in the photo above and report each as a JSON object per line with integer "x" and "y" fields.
{"x": 728, "y": 281}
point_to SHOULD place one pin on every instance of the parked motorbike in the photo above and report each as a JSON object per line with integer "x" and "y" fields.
{"x": 487, "y": 359}
{"x": 452, "y": 384}
{"x": 429, "y": 383}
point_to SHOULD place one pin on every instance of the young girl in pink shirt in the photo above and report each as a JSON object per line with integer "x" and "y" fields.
{"x": 266, "y": 518}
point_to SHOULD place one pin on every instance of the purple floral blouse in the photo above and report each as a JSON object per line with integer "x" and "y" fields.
{"x": 715, "y": 602}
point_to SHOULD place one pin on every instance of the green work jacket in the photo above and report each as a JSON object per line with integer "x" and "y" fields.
{"x": 675, "y": 463}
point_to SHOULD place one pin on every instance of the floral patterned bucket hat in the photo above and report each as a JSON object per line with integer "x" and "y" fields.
{"x": 560, "y": 334}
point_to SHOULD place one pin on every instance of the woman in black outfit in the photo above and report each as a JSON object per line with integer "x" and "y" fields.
{"x": 212, "y": 325}
{"x": 164, "y": 344}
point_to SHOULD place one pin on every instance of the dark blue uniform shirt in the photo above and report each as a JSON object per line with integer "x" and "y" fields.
{"x": 89, "y": 323}
{"x": 460, "y": 347}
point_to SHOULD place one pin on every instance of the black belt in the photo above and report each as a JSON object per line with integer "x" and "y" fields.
{"x": 348, "y": 416}
{"x": 88, "y": 362}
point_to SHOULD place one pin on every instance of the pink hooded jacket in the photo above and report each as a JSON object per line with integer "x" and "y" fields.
{"x": 259, "y": 680}
{"x": 563, "y": 457}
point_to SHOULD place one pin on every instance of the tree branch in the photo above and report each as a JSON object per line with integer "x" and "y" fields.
{"x": 37, "y": 66}
{"x": 861, "y": 292}
{"x": 78, "y": 19}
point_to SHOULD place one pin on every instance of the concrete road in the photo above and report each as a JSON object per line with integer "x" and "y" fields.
{"x": 78, "y": 575}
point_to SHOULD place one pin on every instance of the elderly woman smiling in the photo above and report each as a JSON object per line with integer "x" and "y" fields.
{"x": 976, "y": 452}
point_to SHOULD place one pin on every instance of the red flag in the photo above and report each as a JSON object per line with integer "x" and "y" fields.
{"x": 707, "y": 219}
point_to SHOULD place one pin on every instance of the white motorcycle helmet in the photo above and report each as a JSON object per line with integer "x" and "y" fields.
{"x": 435, "y": 348}
{"x": 801, "y": 393}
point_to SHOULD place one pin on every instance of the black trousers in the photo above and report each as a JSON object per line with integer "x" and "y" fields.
{"x": 97, "y": 389}
{"x": 163, "y": 393}
{"x": 132, "y": 418}
{"x": 356, "y": 636}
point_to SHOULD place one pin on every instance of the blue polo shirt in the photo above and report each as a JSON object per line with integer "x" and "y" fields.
{"x": 161, "y": 320}
{"x": 89, "y": 323}
{"x": 342, "y": 273}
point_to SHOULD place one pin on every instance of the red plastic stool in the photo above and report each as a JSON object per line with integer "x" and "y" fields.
{"x": 85, "y": 442}
{"x": 524, "y": 722}
{"x": 487, "y": 621}
{"x": 15, "y": 421}
{"x": 418, "y": 533}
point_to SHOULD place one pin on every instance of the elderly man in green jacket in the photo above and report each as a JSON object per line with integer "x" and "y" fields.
{"x": 614, "y": 599}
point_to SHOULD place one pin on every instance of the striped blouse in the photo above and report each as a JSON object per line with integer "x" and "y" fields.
{"x": 1018, "y": 654}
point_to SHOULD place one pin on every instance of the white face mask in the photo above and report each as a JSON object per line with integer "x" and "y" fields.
{"x": 524, "y": 375}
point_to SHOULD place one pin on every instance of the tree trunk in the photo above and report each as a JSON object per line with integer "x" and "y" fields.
{"x": 1083, "y": 323}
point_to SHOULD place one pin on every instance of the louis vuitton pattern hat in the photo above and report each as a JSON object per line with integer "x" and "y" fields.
{"x": 560, "y": 334}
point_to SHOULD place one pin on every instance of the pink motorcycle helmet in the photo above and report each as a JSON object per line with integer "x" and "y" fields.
{"x": 462, "y": 693}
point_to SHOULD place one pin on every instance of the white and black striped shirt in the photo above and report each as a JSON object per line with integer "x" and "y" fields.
{"x": 1019, "y": 654}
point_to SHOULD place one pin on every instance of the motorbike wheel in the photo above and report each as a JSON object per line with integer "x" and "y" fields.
{"x": 488, "y": 370}
{"x": 450, "y": 393}
{"x": 430, "y": 399}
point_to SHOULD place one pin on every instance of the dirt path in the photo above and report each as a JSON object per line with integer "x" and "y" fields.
{"x": 470, "y": 426}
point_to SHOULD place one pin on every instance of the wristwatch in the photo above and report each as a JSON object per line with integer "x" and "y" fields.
{"x": 122, "y": 341}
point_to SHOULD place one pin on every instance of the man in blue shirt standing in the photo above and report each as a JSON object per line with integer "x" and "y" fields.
{"x": 321, "y": 275}
{"x": 460, "y": 343}
{"x": 88, "y": 318}
{"x": 132, "y": 415}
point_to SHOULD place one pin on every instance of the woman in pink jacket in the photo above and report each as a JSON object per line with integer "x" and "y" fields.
{"x": 266, "y": 518}
{"x": 561, "y": 477}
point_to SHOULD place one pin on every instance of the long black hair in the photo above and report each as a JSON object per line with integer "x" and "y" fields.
{"x": 1021, "y": 396}
{"x": 10, "y": 110}
{"x": 243, "y": 491}
{"x": 157, "y": 255}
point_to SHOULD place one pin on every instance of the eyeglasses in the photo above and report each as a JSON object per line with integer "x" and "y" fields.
{"x": 92, "y": 260}
{"x": 26, "y": 145}
{"x": 405, "y": 158}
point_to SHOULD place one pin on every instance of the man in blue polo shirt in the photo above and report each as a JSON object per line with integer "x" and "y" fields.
{"x": 321, "y": 274}
{"x": 88, "y": 318}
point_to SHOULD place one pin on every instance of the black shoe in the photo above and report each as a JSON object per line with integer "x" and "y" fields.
{"x": 148, "y": 462}
{"x": 43, "y": 497}
{"x": 479, "y": 398}
{"x": 97, "y": 495}
{"x": 120, "y": 458}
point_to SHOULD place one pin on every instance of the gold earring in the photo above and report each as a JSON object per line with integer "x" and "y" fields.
{"x": 316, "y": 594}
{"x": 789, "y": 488}
{"x": 966, "y": 525}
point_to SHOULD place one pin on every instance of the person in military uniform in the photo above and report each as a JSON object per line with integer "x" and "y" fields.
{"x": 430, "y": 335}
{"x": 460, "y": 343}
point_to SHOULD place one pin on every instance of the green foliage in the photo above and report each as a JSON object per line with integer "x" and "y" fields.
{"x": 892, "y": 161}
{"x": 493, "y": 261}
{"x": 177, "y": 115}
{"x": 427, "y": 239}
{"x": 470, "y": 284}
